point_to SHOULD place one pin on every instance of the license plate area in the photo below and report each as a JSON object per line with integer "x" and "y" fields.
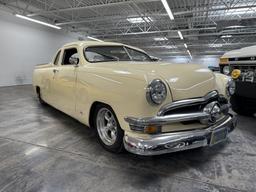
{"x": 219, "y": 136}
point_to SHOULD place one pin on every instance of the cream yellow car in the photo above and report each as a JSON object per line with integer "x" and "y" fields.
{"x": 134, "y": 101}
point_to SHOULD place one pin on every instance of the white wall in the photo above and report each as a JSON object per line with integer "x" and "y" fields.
{"x": 24, "y": 44}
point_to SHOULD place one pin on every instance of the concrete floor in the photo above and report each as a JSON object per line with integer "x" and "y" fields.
{"x": 42, "y": 149}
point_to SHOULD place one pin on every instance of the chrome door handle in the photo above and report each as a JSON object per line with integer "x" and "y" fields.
{"x": 55, "y": 70}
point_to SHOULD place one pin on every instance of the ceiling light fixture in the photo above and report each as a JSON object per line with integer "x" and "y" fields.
{"x": 215, "y": 45}
{"x": 37, "y": 21}
{"x": 234, "y": 26}
{"x": 168, "y": 10}
{"x": 185, "y": 45}
{"x": 180, "y": 35}
{"x": 93, "y": 38}
{"x": 189, "y": 54}
{"x": 160, "y": 39}
{"x": 226, "y": 36}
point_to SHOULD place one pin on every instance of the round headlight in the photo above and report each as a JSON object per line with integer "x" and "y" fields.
{"x": 156, "y": 92}
{"x": 226, "y": 70}
{"x": 231, "y": 87}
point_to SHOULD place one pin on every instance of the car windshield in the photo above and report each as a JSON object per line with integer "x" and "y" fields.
{"x": 114, "y": 53}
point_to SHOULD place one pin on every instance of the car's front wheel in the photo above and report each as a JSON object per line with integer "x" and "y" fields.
{"x": 109, "y": 132}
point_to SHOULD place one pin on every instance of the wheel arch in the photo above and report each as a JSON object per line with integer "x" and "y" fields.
{"x": 37, "y": 88}
{"x": 92, "y": 111}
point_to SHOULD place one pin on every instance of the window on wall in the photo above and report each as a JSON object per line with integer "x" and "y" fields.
{"x": 69, "y": 56}
{"x": 57, "y": 58}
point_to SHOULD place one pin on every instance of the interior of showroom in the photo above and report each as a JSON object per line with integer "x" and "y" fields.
{"x": 128, "y": 95}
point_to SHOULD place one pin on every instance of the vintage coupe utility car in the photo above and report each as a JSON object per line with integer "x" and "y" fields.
{"x": 133, "y": 101}
{"x": 240, "y": 64}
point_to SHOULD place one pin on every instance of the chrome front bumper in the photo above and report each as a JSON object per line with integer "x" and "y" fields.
{"x": 179, "y": 141}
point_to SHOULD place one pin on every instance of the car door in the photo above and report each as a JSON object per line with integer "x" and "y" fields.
{"x": 64, "y": 81}
{"x": 47, "y": 89}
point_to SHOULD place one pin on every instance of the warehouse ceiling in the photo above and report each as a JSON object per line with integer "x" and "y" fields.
{"x": 208, "y": 27}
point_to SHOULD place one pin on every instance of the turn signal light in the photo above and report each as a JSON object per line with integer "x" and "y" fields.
{"x": 152, "y": 129}
{"x": 235, "y": 73}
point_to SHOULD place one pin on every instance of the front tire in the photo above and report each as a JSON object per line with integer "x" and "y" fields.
{"x": 109, "y": 132}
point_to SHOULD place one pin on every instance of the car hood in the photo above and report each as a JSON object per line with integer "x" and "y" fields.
{"x": 184, "y": 80}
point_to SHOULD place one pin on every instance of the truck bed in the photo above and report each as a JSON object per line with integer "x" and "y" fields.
{"x": 44, "y": 65}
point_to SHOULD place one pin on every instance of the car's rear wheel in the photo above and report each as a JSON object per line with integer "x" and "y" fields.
{"x": 38, "y": 92}
{"x": 109, "y": 132}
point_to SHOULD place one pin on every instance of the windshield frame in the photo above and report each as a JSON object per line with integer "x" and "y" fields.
{"x": 125, "y": 49}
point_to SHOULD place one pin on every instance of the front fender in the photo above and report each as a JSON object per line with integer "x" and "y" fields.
{"x": 221, "y": 83}
{"x": 125, "y": 93}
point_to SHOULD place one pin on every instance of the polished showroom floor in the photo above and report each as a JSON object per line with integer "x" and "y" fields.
{"x": 42, "y": 149}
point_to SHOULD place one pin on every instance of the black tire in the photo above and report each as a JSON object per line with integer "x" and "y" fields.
{"x": 240, "y": 107}
{"x": 41, "y": 101}
{"x": 117, "y": 146}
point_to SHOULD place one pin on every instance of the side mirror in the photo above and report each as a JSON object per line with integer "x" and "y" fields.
{"x": 73, "y": 60}
{"x": 153, "y": 58}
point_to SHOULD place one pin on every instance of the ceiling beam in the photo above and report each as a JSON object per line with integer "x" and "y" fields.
{"x": 89, "y": 7}
{"x": 185, "y": 36}
{"x": 213, "y": 9}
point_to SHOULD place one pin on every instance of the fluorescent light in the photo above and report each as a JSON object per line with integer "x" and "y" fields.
{"x": 168, "y": 10}
{"x": 36, "y": 21}
{"x": 226, "y": 36}
{"x": 234, "y": 26}
{"x": 180, "y": 34}
{"x": 215, "y": 45}
{"x": 139, "y": 19}
{"x": 185, "y": 45}
{"x": 95, "y": 39}
{"x": 189, "y": 54}
{"x": 160, "y": 39}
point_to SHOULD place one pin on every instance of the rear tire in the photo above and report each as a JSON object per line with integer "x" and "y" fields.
{"x": 38, "y": 92}
{"x": 239, "y": 106}
{"x": 109, "y": 132}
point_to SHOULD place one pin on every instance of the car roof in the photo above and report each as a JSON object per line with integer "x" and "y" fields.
{"x": 90, "y": 43}
{"x": 98, "y": 43}
{"x": 243, "y": 52}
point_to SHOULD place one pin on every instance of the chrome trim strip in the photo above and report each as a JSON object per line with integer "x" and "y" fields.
{"x": 176, "y": 141}
{"x": 186, "y": 102}
{"x": 168, "y": 119}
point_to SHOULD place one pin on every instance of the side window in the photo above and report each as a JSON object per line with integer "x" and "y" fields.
{"x": 137, "y": 56}
{"x": 70, "y": 57}
{"x": 57, "y": 58}
{"x": 94, "y": 57}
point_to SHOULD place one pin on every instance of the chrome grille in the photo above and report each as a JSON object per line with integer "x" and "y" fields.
{"x": 196, "y": 107}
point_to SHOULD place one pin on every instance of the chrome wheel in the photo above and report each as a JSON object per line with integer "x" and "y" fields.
{"x": 106, "y": 126}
